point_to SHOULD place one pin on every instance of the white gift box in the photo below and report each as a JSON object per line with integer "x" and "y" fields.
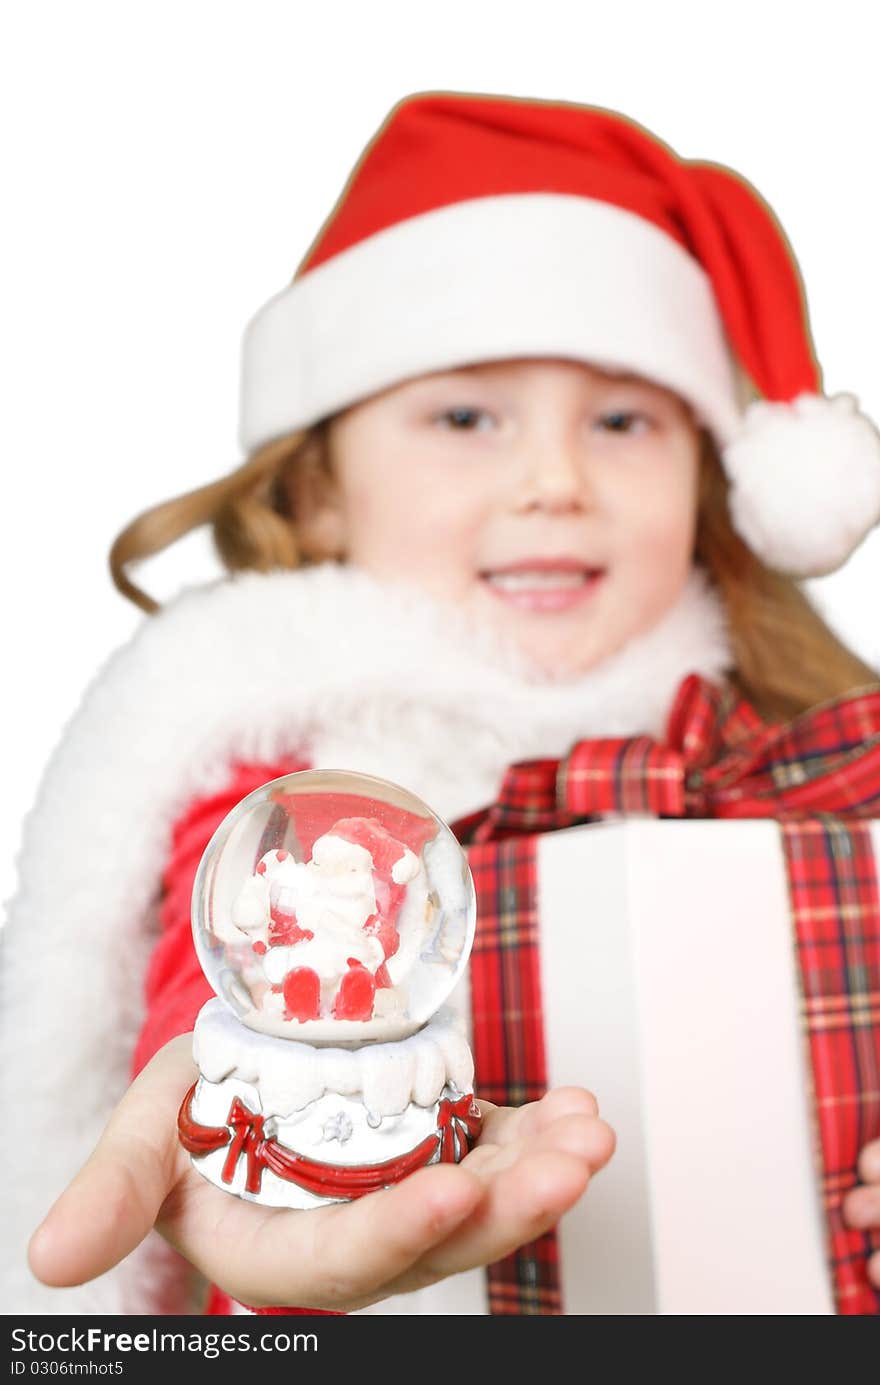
{"x": 671, "y": 991}
{"x": 684, "y": 1020}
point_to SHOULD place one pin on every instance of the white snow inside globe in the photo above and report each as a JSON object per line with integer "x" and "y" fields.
{"x": 333, "y": 907}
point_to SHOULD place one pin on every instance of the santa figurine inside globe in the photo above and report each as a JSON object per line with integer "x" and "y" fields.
{"x": 333, "y": 915}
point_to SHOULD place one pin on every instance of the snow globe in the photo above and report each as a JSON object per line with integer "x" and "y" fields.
{"x": 333, "y": 914}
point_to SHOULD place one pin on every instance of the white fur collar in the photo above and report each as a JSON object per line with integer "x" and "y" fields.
{"x": 378, "y": 677}
{"x": 327, "y": 661}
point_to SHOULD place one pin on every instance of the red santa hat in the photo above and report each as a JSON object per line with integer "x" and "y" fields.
{"x": 392, "y": 859}
{"x": 478, "y": 228}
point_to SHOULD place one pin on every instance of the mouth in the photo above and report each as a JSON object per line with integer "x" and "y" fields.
{"x": 544, "y": 585}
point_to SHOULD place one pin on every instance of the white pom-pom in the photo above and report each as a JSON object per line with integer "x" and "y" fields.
{"x": 804, "y": 481}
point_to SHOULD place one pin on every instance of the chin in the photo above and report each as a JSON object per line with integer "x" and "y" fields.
{"x": 562, "y": 662}
{"x": 557, "y": 646}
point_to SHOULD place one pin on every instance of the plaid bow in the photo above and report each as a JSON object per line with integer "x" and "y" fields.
{"x": 818, "y": 775}
{"x": 718, "y": 760}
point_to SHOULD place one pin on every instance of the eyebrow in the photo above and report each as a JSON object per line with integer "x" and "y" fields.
{"x": 491, "y": 374}
{"x": 438, "y": 377}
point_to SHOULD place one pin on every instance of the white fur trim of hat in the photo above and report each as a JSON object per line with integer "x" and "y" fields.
{"x": 477, "y": 228}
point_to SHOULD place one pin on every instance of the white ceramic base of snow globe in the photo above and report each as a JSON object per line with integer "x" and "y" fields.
{"x": 290, "y": 1124}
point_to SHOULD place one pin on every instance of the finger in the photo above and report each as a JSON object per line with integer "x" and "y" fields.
{"x": 504, "y": 1123}
{"x": 869, "y": 1163}
{"x": 334, "y": 1257}
{"x": 561, "y": 1101}
{"x": 520, "y": 1205}
{"x": 861, "y": 1208}
{"x": 113, "y": 1200}
{"x": 524, "y": 1199}
{"x": 523, "y": 1202}
{"x": 585, "y": 1136}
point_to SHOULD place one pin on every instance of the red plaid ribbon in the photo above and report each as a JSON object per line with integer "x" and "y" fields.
{"x": 818, "y": 775}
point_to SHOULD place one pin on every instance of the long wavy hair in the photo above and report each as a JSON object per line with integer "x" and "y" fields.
{"x": 786, "y": 656}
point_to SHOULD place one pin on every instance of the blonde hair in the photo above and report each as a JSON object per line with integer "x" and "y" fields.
{"x": 786, "y": 657}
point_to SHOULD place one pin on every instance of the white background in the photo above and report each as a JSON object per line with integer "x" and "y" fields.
{"x": 166, "y": 165}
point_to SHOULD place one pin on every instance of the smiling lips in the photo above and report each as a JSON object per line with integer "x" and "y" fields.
{"x": 543, "y": 584}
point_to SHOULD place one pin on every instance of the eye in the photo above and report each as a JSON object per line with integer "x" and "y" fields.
{"x": 464, "y": 419}
{"x": 622, "y": 421}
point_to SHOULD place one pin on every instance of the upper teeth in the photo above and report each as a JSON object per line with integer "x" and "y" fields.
{"x": 523, "y": 580}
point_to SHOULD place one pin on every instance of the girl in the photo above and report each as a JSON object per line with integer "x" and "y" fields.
{"x": 535, "y": 434}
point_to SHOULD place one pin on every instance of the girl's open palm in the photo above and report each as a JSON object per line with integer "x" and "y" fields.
{"x": 529, "y": 1166}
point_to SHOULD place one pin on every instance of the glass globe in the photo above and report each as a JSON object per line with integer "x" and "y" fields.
{"x": 333, "y": 907}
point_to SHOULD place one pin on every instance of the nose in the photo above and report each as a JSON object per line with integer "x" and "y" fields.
{"x": 553, "y": 475}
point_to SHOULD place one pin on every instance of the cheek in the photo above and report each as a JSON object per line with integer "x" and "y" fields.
{"x": 402, "y": 519}
{"x": 658, "y": 524}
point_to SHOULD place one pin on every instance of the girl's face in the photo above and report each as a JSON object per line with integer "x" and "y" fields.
{"x": 556, "y": 500}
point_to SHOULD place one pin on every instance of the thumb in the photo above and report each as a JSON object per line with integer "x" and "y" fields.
{"x": 115, "y": 1198}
